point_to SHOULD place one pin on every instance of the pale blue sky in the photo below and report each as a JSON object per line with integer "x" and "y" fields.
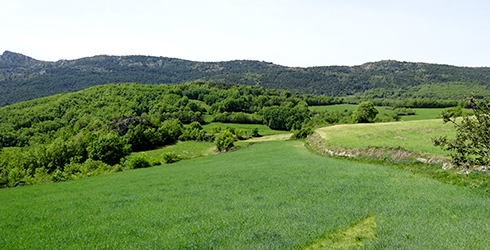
{"x": 288, "y": 32}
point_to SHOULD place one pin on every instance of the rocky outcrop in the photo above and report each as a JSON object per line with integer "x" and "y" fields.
{"x": 15, "y": 58}
{"x": 121, "y": 125}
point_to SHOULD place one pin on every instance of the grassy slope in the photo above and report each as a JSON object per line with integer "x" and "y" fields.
{"x": 184, "y": 149}
{"x": 274, "y": 195}
{"x": 420, "y": 113}
{"x": 411, "y": 135}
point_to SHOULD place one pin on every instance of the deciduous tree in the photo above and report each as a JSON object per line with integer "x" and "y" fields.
{"x": 365, "y": 112}
{"x": 471, "y": 147}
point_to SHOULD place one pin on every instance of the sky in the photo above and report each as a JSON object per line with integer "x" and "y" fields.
{"x": 296, "y": 33}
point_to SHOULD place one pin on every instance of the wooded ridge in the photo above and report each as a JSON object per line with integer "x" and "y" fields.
{"x": 24, "y": 78}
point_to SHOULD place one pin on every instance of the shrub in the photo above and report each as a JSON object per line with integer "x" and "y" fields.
{"x": 215, "y": 129}
{"x": 255, "y": 132}
{"x": 91, "y": 168}
{"x": 302, "y": 133}
{"x": 109, "y": 148}
{"x": 365, "y": 112}
{"x": 170, "y": 157}
{"x": 137, "y": 161}
{"x": 224, "y": 141}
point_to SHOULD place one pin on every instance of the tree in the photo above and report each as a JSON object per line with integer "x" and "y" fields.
{"x": 365, "y": 112}
{"x": 471, "y": 147}
{"x": 108, "y": 148}
{"x": 284, "y": 118}
{"x": 224, "y": 141}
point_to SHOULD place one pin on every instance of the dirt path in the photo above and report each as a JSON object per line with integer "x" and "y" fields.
{"x": 276, "y": 137}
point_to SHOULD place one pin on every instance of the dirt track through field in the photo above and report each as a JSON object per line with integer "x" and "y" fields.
{"x": 276, "y": 137}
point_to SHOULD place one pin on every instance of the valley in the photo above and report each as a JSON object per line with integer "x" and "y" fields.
{"x": 211, "y": 165}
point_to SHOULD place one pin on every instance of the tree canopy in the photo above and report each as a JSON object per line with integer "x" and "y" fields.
{"x": 365, "y": 112}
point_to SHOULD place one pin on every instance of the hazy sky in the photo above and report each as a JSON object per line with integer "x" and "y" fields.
{"x": 287, "y": 32}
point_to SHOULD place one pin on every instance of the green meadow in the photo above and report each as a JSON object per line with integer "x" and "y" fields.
{"x": 271, "y": 195}
{"x": 420, "y": 113}
{"x": 263, "y": 129}
{"x": 411, "y": 135}
{"x": 182, "y": 149}
{"x": 423, "y": 114}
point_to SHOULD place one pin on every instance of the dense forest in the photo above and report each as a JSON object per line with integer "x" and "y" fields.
{"x": 24, "y": 78}
{"x": 78, "y": 134}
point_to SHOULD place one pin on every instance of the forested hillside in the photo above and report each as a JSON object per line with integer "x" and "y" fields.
{"x": 24, "y": 78}
{"x": 78, "y": 134}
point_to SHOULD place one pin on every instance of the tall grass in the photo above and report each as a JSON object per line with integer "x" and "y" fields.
{"x": 274, "y": 195}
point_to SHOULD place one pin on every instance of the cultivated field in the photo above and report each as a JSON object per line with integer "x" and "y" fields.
{"x": 271, "y": 195}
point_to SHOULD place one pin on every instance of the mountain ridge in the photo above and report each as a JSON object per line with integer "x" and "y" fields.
{"x": 25, "y": 78}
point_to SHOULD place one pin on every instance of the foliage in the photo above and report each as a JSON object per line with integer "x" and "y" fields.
{"x": 108, "y": 148}
{"x": 255, "y": 132}
{"x": 326, "y": 117}
{"x": 194, "y": 132}
{"x": 237, "y": 117}
{"x": 285, "y": 118}
{"x": 302, "y": 133}
{"x": 365, "y": 112}
{"x": 137, "y": 161}
{"x": 224, "y": 141}
{"x": 471, "y": 147}
{"x": 102, "y": 123}
{"x": 170, "y": 157}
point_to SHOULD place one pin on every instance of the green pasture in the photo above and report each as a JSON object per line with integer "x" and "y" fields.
{"x": 263, "y": 129}
{"x": 348, "y": 107}
{"x": 183, "y": 149}
{"x": 420, "y": 113}
{"x": 423, "y": 114}
{"x": 273, "y": 195}
{"x": 411, "y": 135}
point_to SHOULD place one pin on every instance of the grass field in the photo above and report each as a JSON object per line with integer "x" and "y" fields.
{"x": 263, "y": 129}
{"x": 420, "y": 113}
{"x": 423, "y": 114}
{"x": 273, "y": 195}
{"x": 183, "y": 149}
{"x": 411, "y": 135}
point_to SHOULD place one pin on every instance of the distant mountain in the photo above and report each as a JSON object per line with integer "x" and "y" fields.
{"x": 25, "y": 78}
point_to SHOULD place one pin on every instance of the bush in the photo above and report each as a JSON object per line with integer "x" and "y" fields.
{"x": 224, "y": 141}
{"x": 215, "y": 129}
{"x": 137, "y": 161}
{"x": 255, "y": 132}
{"x": 109, "y": 148}
{"x": 170, "y": 157}
{"x": 302, "y": 133}
{"x": 365, "y": 112}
